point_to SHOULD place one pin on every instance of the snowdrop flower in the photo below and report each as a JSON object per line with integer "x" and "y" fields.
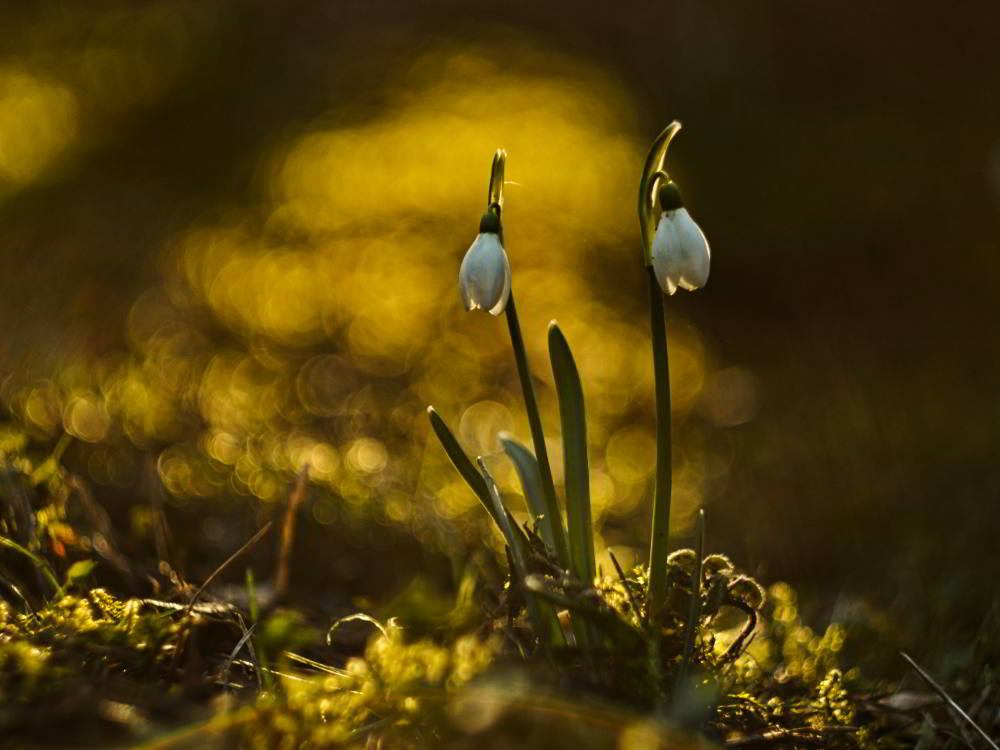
{"x": 484, "y": 279}
{"x": 680, "y": 251}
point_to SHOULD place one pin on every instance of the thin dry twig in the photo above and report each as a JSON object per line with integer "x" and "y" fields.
{"x": 229, "y": 560}
{"x": 948, "y": 699}
{"x": 288, "y": 532}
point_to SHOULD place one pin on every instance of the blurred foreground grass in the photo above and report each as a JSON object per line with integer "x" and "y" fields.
{"x": 248, "y": 665}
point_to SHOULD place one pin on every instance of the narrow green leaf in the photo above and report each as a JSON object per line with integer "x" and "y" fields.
{"x": 531, "y": 481}
{"x": 465, "y": 467}
{"x": 37, "y": 561}
{"x": 463, "y": 464}
{"x": 577, "y": 473}
{"x": 517, "y": 551}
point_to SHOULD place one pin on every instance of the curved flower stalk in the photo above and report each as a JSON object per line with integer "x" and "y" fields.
{"x": 676, "y": 255}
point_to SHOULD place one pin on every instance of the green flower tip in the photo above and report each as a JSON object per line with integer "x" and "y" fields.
{"x": 670, "y": 196}
{"x": 490, "y": 223}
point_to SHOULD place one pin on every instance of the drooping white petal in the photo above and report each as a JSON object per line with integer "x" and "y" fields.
{"x": 680, "y": 253}
{"x": 484, "y": 278}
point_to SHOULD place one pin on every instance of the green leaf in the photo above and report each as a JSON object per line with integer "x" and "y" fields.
{"x": 463, "y": 464}
{"x": 468, "y": 471}
{"x": 79, "y": 570}
{"x": 577, "y": 473}
{"x": 517, "y": 551}
{"x": 37, "y": 561}
{"x": 531, "y": 481}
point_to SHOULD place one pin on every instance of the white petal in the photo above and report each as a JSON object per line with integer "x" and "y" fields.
{"x": 680, "y": 252}
{"x": 484, "y": 278}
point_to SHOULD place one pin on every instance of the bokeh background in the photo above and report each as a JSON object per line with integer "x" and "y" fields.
{"x": 230, "y": 235}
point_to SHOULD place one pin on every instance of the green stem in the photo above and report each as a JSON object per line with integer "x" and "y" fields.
{"x": 661, "y": 497}
{"x": 694, "y": 610}
{"x": 537, "y": 435}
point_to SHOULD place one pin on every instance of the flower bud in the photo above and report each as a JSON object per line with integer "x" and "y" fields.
{"x": 484, "y": 278}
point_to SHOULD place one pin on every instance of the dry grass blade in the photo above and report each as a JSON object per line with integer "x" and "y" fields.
{"x": 288, "y": 532}
{"x": 229, "y": 560}
{"x": 247, "y": 634}
{"x": 948, "y": 699}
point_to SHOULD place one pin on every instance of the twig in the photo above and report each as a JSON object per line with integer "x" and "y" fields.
{"x": 229, "y": 560}
{"x": 288, "y": 532}
{"x": 948, "y": 699}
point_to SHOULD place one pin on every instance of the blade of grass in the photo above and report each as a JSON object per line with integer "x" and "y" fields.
{"x": 574, "y": 429}
{"x": 661, "y": 495}
{"x": 42, "y": 566}
{"x": 264, "y": 676}
{"x": 559, "y": 542}
{"x": 925, "y": 676}
{"x": 531, "y": 481}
